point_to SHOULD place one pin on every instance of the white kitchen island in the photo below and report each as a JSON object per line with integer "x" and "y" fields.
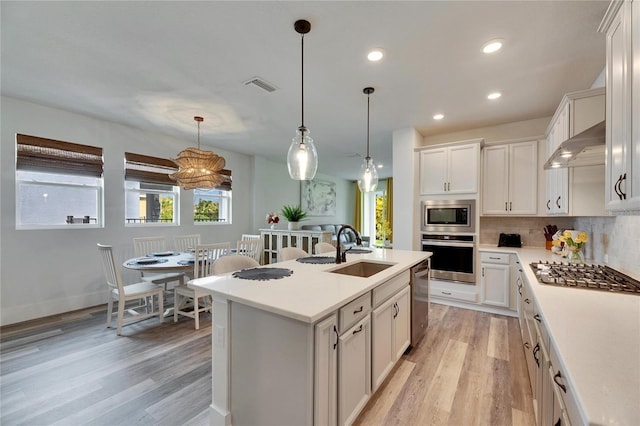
{"x": 298, "y": 350}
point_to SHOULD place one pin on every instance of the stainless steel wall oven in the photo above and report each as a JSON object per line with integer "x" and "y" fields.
{"x": 454, "y": 256}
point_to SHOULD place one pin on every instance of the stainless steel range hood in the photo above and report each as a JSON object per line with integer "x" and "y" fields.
{"x": 584, "y": 149}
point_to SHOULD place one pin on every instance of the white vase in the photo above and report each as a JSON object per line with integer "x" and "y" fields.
{"x": 273, "y": 226}
{"x": 294, "y": 226}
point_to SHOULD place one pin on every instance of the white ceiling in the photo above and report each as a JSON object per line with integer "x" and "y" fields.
{"x": 154, "y": 65}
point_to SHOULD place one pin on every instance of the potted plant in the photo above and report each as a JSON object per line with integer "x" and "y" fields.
{"x": 293, "y": 214}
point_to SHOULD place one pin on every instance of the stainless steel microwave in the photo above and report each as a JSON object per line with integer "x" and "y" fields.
{"x": 449, "y": 216}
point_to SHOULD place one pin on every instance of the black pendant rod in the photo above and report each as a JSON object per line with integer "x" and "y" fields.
{"x": 368, "y": 91}
{"x": 302, "y": 27}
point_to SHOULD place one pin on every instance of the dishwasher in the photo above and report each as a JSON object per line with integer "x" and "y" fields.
{"x": 419, "y": 300}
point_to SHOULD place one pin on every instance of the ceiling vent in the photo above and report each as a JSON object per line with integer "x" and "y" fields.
{"x": 261, "y": 83}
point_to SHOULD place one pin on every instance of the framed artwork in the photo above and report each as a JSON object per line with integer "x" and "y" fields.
{"x": 318, "y": 198}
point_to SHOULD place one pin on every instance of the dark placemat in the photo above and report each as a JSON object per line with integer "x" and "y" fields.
{"x": 147, "y": 261}
{"x": 263, "y": 274}
{"x": 358, "y": 251}
{"x": 317, "y": 259}
{"x": 163, "y": 254}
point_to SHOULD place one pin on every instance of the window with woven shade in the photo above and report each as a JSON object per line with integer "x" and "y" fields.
{"x": 58, "y": 184}
{"x": 151, "y": 197}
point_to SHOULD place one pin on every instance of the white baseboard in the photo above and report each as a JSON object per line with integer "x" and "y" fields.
{"x": 16, "y": 314}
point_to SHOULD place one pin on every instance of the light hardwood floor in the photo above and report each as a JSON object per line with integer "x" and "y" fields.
{"x": 71, "y": 370}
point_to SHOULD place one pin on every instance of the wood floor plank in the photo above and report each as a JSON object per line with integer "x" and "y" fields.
{"x": 438, "y": 400}
{"x": 498, "y": 345}
{"x": 521, "y": 395}
{"x": 382, "y": 401}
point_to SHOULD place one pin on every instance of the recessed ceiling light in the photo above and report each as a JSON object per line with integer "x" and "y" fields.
{"x": 566, "y": 154}
{"x": 438, "y": 116}
{"x": 494, "y": 95}
{"x": 492, "y": 46}
{"x": 375, "y": 55}
{"x": 380, "y": 165}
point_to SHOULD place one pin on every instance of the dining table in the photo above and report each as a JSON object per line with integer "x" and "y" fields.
{"x": 161, "y": 263}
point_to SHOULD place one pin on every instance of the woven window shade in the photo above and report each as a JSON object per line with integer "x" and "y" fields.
{"x": 52, "y": 156}
{"x": 144, "y": 168}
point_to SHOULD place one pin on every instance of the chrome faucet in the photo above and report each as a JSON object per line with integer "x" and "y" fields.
{"x": 343, "y": 257}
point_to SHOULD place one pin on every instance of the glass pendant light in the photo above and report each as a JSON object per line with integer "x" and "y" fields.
{"x": 368, "y": 180}
{"x": 302, "y": 159}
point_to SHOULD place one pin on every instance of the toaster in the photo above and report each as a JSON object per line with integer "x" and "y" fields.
{"x": 509, "y": 240}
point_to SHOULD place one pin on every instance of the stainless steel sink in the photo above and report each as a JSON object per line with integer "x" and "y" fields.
{"x": 362, "y": 269}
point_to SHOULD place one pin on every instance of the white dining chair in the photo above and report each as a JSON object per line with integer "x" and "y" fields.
{"x": 204, "y": 257}
{"x": 251, "y": 248}
{"x": 290, "y": 253}
{"x": 142, "y": 291}
{"x": 324, "y": 248}
{"x": 250, "y": 237}
{"x": 233, "y": 263}
{"x": 186, "y": 242}
{"x": 147, "y": 245}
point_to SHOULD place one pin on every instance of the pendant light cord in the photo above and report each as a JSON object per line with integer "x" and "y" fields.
{"x": 302, "y": 79}
{"x": 368, "y": 100}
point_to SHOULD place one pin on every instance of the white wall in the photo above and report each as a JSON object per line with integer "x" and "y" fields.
{"x": 405, "y": 200}
{"x": 273, "y": 188}
{"x": 45, "y": 272}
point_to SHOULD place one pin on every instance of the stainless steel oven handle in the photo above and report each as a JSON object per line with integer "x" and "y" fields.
{"x": 448, "y": 243}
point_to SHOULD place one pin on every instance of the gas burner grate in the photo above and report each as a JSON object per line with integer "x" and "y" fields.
{"x": 588, "y": 276}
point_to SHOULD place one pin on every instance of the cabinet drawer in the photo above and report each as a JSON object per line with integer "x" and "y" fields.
{"x": 502, "y": 258}
{"x": 389, "y": 288}
{"x": 466, "y": 296}
{"x": 354, "y": 311}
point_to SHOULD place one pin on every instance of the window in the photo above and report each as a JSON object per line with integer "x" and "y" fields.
{"x": 58, "y": 184}
{"x": 213, "y": 205}
{"x": 150, "y": 195}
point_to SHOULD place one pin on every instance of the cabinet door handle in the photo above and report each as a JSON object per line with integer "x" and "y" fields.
{"x": 448, "y": 186}
{"x": 560, "y": 385}
{"x": 558, "y": 202}
{"x": 445, "y": 187}
{"x": 335, "y": 330}
{"x": 527, "y": 345}
{"x": 395, "y": 310}
{"x": 527, "y": 301}
{"x": 536, "y": 349}
{"x": 624, "y": 194}
{"x": 537, "y": 318}
{"x": 510, "y": 205}
{"x": 358, "y": 330}
{"x": 559, "y": 422}
{"x": 548, "y": 201}
{"x": 357, "y": 311}
{"x": 615, "y": 187}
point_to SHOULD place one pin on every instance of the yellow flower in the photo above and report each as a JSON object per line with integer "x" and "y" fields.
{"x": 556, "y": 243}
{"x": 582, "y": 238}
{"x": 567, "y": 234}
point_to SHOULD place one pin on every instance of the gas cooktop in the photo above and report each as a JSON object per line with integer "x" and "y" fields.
{"x": 594, "y": 277}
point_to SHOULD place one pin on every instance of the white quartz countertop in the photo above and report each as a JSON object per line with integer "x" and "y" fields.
{"x": 311, "y": 292}
{"x": 597, "y": 336}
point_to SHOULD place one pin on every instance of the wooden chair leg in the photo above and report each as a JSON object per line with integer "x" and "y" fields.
{"x": 121, "y": 304}
{"x": 109, "y": 311}
{"x": 196, "y": 311}
{"x": 160, "y": 306}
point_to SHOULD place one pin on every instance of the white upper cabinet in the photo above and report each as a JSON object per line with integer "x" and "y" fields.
{"x": 510, "y": 179}
{"x": 451, "y": 169}
{"x": 622, "y": 26}
{"x": 576, "y": 191}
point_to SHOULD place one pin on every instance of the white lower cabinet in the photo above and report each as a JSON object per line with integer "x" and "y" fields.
{"x": 354, "y": 370}
{"x": 325, "y": 398}
{"x": 391, "y": 334}
{"x": 495, "y": 279}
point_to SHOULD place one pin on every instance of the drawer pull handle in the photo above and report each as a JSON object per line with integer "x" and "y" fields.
{"x": 537, "y": 318}
{"x": 527, "y": 301}
{"x": 560, "y": 385}
{"x": 335, "y": 330}
{"x": 358, "y": 330}
{"x": 494, "y": 258}
{"x": 446, "y": 292}
{"x": 357, "y": 311}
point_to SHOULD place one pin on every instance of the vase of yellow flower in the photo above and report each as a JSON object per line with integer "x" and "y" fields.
{"x": 573, "y": 242}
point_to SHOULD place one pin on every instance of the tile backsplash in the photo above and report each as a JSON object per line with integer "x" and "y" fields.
{"x": 615, "y": 239}
{"x": 531, "y": 229}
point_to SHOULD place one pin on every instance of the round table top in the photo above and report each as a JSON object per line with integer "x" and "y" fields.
{"x": 167, "y": 260}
